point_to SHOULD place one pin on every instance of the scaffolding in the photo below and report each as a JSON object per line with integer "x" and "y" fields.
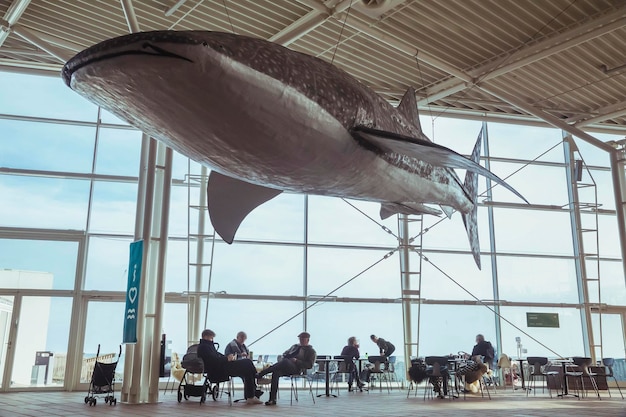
{"x": 411, "y": 279}
{"x": 199, "y": 245}
{"x": 584, "y": 207}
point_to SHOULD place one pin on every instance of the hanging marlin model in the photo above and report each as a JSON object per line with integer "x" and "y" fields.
{"x": 267, "y": 119}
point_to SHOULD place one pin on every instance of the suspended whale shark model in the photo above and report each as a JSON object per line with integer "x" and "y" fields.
{"x": 267, "y": 119}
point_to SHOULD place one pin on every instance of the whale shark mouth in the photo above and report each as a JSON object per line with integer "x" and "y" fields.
{"x": 115, "y": 48}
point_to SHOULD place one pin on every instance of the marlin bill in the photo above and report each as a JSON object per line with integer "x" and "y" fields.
{"x": 267, "y": 119}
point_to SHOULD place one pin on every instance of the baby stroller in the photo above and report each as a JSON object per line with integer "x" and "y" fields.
{"x": 102, "y": 381}
{"x": 194, "y": 373}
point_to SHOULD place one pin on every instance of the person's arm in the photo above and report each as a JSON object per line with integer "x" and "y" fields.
{"x": 213, "y": 353}
{"x": 356, "y": 353}
{"x": 230, "y": 349}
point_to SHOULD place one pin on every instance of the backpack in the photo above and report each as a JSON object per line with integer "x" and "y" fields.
{"x": 191, "y": 361}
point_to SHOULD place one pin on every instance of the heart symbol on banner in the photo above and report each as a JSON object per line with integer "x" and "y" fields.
{"x": 132, "y": 294}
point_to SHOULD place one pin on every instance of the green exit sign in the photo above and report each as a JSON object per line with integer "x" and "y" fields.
{"x": 542, "y": 319}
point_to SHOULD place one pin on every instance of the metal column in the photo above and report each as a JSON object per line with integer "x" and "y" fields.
{"x": 618, "y": 170}
{"x": 492, "y": 244}
{"x": 569, "y": 148}
{"x": 406, "y": 275}
{"x": 142, "y": 385}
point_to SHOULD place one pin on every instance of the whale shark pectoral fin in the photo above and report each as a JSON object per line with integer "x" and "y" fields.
{"x": 424, "y": 150}
{"x": 448, "y": 210}
{"x": 389, "y": 209}
{"x": 230, "y": 200}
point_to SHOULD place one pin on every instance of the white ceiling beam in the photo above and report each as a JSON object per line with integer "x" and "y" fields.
{"x": 554, "y": 121}
{"x": 402, "y": 46}
{"x": 23, "y": 52}
{"x": 299, "y": 28}
{"x": 533, "y": 53}
{"x": 175, "y": 7}
{"x": 131, "y": 17}
{"x": 603, "y": 116}
{"x": 13, "y": 14}
{"x": 56, "y": 41}
{"x": 60, "y": 54}
{"x": 309, "y": 21}
{"x": 410, "y": 50}
{"x": 25, "y": 65}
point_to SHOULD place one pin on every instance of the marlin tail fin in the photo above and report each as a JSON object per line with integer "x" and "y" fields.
{"x": 470, "y": 219}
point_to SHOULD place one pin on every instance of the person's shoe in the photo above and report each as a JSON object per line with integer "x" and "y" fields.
{"x": 258, "y": 393}
{"x": 253, "y": 401}
{"x": 350, "y": 389}
{"x": 270, "y": 402}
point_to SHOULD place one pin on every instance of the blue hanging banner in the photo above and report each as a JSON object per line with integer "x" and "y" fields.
{"x": 132, "y": 292}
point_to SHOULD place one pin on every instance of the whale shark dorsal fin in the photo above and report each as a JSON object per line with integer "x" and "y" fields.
{"x": 408, "y": 108}
{"x": 230, "y": 200}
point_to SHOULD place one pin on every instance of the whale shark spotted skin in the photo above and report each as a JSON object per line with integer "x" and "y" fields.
{"x": 267, "y": 119}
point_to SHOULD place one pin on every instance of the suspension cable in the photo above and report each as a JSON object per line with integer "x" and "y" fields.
{"x": 382, "y": 226}
{"x": 483, "y": 303}
{"x": 387, "y": 255}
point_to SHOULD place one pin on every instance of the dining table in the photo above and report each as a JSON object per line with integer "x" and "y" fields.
{"x": 327, "y": 360}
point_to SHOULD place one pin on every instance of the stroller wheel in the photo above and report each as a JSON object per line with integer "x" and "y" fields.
{"x": 203, "y": 399}
{"x": 106, "y": 399}
{"x": 86, "y": 399}
{"x": 94, "y": 402}
{"x": 215, "y": 392}
{"x": 180, "y": 396}
{"x": 114, "y": 401}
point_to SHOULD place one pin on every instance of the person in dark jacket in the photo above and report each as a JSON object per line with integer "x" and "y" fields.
{"x": 219, "y": 366}
{"x": 297, "y": 358}
{"x": 386, "y": 348}
{"x": 485, "y": 349}
{"x": 351, "y": 350}
{"x": 238, "y": 347}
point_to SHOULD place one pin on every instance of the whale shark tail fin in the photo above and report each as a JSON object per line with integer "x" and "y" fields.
{"x": 470, "y": 219}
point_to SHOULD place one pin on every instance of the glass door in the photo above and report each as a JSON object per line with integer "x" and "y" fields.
{"x": 40, "y": 348}
{"x": 6, "y": 314}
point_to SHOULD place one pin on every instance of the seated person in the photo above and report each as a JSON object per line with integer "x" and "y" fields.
{"x": 295, "y": 359}
{"x": 237, "y": 346}
{"x": 485, "y": 349}
{"x": 352, "y": 350}
{"x": 220, "y": 367}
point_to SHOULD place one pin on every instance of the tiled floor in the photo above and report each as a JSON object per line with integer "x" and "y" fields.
{"x": 503, "y": 404}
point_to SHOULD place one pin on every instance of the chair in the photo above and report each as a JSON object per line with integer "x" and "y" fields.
{"x": 294, "y": 385}
{"x": 506, "y": 370}
{"x": 473, "y": 368}
{"x": 376, "y": 373}
{"x": 345, "y": 366}
{"x": 608, "y": 364}
{"x": 536, "y": 366}
{"x": 582, "y": 372}
{"x": 321, "y": 363}
{"x": 437, "y": 372}
{"x": 390, "y": 370}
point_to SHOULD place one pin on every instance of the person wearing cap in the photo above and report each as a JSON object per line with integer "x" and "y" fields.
{"x": 297, "y": 358}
